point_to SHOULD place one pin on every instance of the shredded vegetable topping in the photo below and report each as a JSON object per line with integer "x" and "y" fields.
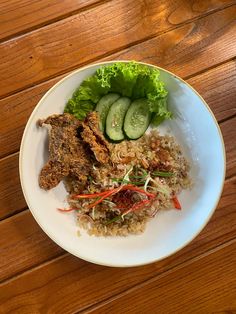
{"x": 121, "y": 197}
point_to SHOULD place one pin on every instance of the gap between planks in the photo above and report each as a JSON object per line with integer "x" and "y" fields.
{"x": 221, "y": 120}
{"x": 209, "y": 69}
{"x": 187, "y": 77}
{"x": 37, "y": 266}
{"x": 106, "y": 55}
{"x": 52, "y": 21}
{"x": 10, "y": 155}
{"x": 87, "y": 8}
{"x": 103, "y": 58}
{"x": 144, "y": 283}
{"x": 17, "y": 212}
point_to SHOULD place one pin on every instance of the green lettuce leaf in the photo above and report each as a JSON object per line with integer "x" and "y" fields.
{"x": 130, "y": 79}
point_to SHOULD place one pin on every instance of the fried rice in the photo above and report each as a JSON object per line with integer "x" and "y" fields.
{"x": 145, "y": 176}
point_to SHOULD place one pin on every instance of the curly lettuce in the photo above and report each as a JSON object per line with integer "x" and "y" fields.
{"x": 130, "y": 79}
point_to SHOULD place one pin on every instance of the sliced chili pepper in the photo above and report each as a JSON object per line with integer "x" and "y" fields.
{"x": 136, "y": 206}
{"x": 123, "y": 187}
{"x": 94, "y": 195}
{"x": 105, "y": 194}
{"x": 135, "y": 188}
{"x": 110, "y": 192}
{"x": 176, "y": 203}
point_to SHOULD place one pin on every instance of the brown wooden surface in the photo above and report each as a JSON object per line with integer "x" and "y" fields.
{"x": 188, "y": 284}
{"x": 41, "y": 42}
{"x": 38, "y": 57}
{"x": 17, "y": 16}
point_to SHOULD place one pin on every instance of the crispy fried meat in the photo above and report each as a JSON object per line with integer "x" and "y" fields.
{"x": 67, "y": 153}
{"x": 93, "y": 136}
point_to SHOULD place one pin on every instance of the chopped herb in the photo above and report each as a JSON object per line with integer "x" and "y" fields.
{"x": 90, "y": 179}
{"x": 144, "y": 172}
{"x": 162, "y": 174}
{"x": 138, "y": 177}
{"x": 113, "y": 220}
{"x": 116, "y": 180}
{"x": 126, "y": 181}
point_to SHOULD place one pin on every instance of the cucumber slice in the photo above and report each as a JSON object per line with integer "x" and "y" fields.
{"x": 103, "y": 107}
{"x": 137, "y": 119}
{"x": 115, "y": 119}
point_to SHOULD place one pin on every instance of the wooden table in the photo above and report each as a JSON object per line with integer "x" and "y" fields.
{"x": 42, "y": 41}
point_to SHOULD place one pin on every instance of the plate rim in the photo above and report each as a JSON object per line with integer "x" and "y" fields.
{"x": 93, "y": 260}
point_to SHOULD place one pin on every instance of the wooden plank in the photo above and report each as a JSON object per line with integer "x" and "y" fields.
{"x": 27, "y": 247}
{"x": 77, "y": 39}
{"x": 20, "y": 16}
{"x": 11, "y": 197}
{"x": 23, "y": 244}
{"x": 191, "y": 48}
{"x": 205, "y": 285}
{"x": 19, "y": 108}
{"x": 216, "y": 86}
{"x": 228, "y": 132}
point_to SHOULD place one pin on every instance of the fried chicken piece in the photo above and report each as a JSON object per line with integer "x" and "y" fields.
{"x": 67, "y": 153}
{"x": 92, "y": 135}
{"x": 51, "y": 174}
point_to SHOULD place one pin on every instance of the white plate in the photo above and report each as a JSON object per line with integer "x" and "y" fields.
{"x": 194, "y": 127}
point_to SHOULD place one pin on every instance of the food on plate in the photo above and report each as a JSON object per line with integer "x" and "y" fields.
{"x": 115, "y": 119}
{"x": 118, "y": 176}
{"x": 137, "y": 119}
{"x": 67, "y": 153}
{"x": 103, "y": 107}
{"x": 70, "y": 143}
{"x": 132, "y": 80}
{"x": 92, "y": 135}
{"x": 122, "y": 185}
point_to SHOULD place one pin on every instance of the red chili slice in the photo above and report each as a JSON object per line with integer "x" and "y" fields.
{"x": 176, "y": 203}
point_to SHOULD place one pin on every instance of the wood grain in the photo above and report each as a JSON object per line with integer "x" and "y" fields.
{"x": 41, "y": 42}
{"x": 11, "y": 197}
{"x": 67, "y": 284}
{"x": 218, "y": 87}
{"x": 191, "y": 48}
{"x": 20, "y": 105}
{"x": 26, "y": 248}
{"x": 228, "y": 133}
{"x": 205, "y": 285}
{"x": 26, "y": 245}
{"x": 77, "y": 40}
{"x": 20, "y": 16}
